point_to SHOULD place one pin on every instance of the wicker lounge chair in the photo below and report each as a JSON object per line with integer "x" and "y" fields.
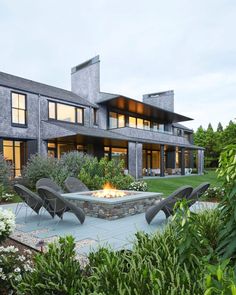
{"x": 197, "y": 193}
{"x": 58, "y": 204}
{"x": 167, "y": 205}
{"x": 49, "y": 183}
{"x": 74, "y": 185}
{"x": 29, "y": 199}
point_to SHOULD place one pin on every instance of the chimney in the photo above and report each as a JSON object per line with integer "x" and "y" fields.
{"x": 163, "y": 100}
{"x": 85, "y": 79}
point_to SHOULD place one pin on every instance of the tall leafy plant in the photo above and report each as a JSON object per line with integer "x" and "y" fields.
{"x": 227, "y": 174}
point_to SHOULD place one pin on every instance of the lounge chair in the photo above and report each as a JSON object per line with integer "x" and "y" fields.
{"x": 74, "y": 185}
{"x": 29, "y": 199}
{"x": 49, "y": 183}
{"x": 58, "y": 204}
{"x": 197, "y": 193}
{"x": 167, "y": 204}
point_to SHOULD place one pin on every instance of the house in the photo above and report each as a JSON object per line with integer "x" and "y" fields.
{"x": 147, "y": 135}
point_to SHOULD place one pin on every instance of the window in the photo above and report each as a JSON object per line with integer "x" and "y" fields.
{"x": 18, "y": 109}
{"x": 112, "y": 120}
{"x": 121, "y": 120}
{"x": 116, "y": 153}
{"x": 66, "y": 113}
{"x": 132, "y": 122}
{"x": 95, "y": 116}
{"x": 116, "y": 120}
{"x": 52, "y": 110}
{"x": 155, "y": 126}
{"x": 140, "y": 123}
{"x": 146, "y": 124}
{"x": 14, "y": 153}
{"x": 179, "y": 132}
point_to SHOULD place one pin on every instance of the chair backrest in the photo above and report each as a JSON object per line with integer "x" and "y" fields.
{"x": 181, "y": 193}
{"x": 198, "y": 192}
{"x": 29, "y": 197}
{"x": 74, "y": 185}
{"x": 48, "y": 183}
{"x": 53, "y": 198}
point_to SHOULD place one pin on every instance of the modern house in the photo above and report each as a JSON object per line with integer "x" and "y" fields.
{"x": 38, "y": 118}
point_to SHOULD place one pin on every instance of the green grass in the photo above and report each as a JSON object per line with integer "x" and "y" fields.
{"x": 168, "y": 185}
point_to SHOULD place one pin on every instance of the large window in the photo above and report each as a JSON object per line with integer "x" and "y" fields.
{"x": 18, "y": 102}
{"x": 116, "y": 120}
{"x": 116, "y": 153}
{"x": 66, "y": 113}
{"x": 14, "y": 153}
{"x": 56, "y": 150}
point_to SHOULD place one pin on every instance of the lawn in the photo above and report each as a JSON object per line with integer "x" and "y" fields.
{"x": 168, "y": 185}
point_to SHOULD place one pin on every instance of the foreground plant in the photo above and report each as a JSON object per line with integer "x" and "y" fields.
{"x": 55, "y": 272}
{"x": 12, "y": 267}
{"x": 227, "y": 174}
{"x": 7, "y": 223}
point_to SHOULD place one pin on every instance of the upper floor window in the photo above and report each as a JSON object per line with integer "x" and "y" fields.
{"x": 116, "y": 120}
{"x": 66, "y": 113}
{"x": 18, "y": 105}
{"x": 95, "y": 116}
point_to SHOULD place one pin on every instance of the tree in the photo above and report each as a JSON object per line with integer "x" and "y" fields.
{"x": 219, "y": 127}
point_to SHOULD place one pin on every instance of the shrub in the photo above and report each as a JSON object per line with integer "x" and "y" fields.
{"x": 95, "y": 173}
{"x": 220, "y": 279}
{"x": 153, "y": 267}
{"x": 12, "y": 266}
{"x": 227, "y": 174}
{"x": 138, "y": 186}
{"x": 38, "y": 167}
{"x": 55, "y": 272}
{"x": 214, "y": 193}
{"x": 5, "y": 176}
{"x": 7, "y": 224}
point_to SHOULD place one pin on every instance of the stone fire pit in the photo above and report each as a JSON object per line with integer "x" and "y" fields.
{"x": 131, "y": 203}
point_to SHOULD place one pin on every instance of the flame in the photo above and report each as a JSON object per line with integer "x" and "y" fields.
{"x": 108, "y": 186}
{"x": 109, "y": 191}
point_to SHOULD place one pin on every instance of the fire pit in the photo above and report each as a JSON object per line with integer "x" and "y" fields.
{"x": 111, "y": 203}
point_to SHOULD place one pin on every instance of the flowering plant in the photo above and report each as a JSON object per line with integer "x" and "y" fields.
{"x": 214, "y": 193}
{"x": 4, "y": 195}
{"x": 138, "y": 186}
{"x": 7, "y": 223}
{"x": 12, "y": 266}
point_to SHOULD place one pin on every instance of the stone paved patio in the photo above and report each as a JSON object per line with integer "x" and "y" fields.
{"x": 95, "y": 232}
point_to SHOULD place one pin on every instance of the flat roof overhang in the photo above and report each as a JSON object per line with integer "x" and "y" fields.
{"x": 138, "y": 107}
{"x": 88, "y": 135}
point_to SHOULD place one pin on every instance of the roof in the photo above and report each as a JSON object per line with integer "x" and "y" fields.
{"x": 89, "y": 131}
{"x": 105, "y": 96}
{"x": 144, "y": 109}
{"x": 177, "y": 125}
{"x": 107, "y": 134}
{"x": 30, "y": 86}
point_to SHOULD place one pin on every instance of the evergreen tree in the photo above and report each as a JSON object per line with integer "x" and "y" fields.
{"x": 219, "y": 127}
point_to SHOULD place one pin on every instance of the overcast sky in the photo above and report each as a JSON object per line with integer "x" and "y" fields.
{"x": 144, "y": 46}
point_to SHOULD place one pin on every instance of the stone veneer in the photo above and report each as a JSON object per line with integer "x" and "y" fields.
{"x": 111, "y": 209}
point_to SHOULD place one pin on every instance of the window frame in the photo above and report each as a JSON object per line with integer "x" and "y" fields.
{"x": 25, "y": 125}
{"x": 76, "y": 114}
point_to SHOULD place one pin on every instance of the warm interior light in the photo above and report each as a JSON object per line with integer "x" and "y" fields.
{"x": 109, "y": 191}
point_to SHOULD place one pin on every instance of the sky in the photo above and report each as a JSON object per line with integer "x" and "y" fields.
{"x": 144, "y": 47}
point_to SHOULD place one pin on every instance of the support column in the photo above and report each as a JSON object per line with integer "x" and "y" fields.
{"x": 182, "y": 161}
{"x": 200, "y": 164}
{"x": 1, "y": 145}
{"x": 32, "y": 148}
{"x": 162, "y": 161}
{"x": 135, "y": 161}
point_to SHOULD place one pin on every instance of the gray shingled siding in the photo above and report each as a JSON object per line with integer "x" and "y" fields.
{"x": 151, "y": 135}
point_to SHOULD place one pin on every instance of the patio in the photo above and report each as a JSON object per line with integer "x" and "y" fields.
{"x": 94, "y": 233}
